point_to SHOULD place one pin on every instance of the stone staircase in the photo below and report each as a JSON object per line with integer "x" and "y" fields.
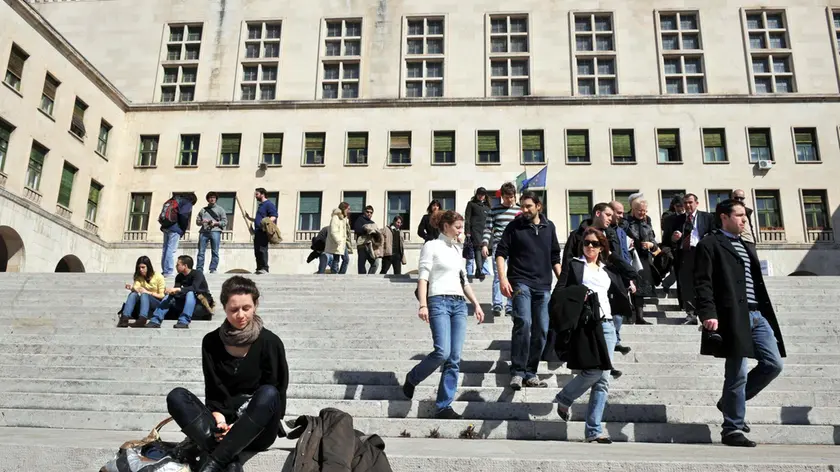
{"x": 74, "y": 387}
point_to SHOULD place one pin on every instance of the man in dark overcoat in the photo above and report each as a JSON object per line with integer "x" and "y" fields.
{"x": 732, "y": 301}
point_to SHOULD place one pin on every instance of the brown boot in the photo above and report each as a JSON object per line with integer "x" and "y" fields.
{"x": 123, "y": 322}
{"x": 140, "y": 323}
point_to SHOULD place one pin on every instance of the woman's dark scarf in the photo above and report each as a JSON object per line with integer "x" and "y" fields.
{"x": 241, "y": 337}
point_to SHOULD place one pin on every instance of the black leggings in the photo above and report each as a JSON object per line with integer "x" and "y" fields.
{"x": 264, "y": 410}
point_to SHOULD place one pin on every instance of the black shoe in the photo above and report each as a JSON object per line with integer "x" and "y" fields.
{"x": 600, "y": 440}
{"x": 616, "y": 373}
{"x": 624, "y": 350}
{"x": 481, "y": 277}
{"x": 746, "y": 427}
{"x": 408, "y": 389}
{"x": 497, "y": 312}
{"x": 140, "y": 322}
{"x": 448, "y": 414}
{"x": 737, "y": 440}
{"x": 564, "y": 415}
{"x": 642, "y": 321}
{"x": 123, "y": 322}
{"x": 180, "y": 325}
{"x": 150, "y": 325}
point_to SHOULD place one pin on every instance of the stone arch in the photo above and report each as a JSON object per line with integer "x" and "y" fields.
{"x": 238, "y": 271}
{"x": 70, "y": 263}
{"x": 12, "y": 250}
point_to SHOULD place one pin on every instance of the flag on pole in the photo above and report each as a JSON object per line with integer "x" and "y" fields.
{"x": 537, "y": 180}
{"x": 520, "y": 181}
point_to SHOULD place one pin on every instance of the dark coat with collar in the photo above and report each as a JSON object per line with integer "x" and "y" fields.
{"x": 721, "y": 292}
{"x": 704, "y": 221}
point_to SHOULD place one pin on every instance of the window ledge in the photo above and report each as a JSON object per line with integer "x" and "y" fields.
{"x": 103, "y": 156}
{"x": 488, "y": 163}
{"x": 674, "y": 163}
{"x": 531, "y": 163}
{"x": 398, "y": 165}
{"x": 809, "y": 162}
{"x": 273, "y": 165}
{"x": 46, "y": 114}
{"x": 622, "y": 163}
{"x": 226, "y": 166}
{"x": 79, "y": 138}
{"x": 716, "y": 163}
{"x": 755, "y": 163}
{"x": 145, "y": 167}
{"x": 16, "y": 91}
{"x": 313, "y": 165}
{"x": 349, "y": 164}
{"x": 193, "y": 167}
{"x": 444, "y": 164}
{"x": 579, "y": 163}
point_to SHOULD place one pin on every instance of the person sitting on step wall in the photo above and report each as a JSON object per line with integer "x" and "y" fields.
{"x": 189, "y": 284}
{"x": 148, "y": 289}
{"x": 441, "y": 287}
{"x": 245, "y": 381}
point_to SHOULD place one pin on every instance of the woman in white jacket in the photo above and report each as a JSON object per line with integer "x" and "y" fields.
{"x": 339, "y": 236}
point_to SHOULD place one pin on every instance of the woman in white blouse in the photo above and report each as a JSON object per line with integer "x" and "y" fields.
{"x": 592, "y": 271}
{"x": 441, "y": 288}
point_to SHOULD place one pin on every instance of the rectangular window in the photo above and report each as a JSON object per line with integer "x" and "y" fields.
{"x": 444, "y": 142}
{"x": 595, "y": 54}
{"x": 65, "y": 187}
{"x": 580, "y": 204}
{"x": 37, "y": 156}
{"x": 272, "y": 152}
{"x": 262, "y": 53}
{"x": 509, "y": 56}
{"x": 14, "y": 71}
{"x": 668, "y": 142}
{"x": 623, "y": 146}
{"x": 623, "y": 197}
{"x": 341, "y": 57}
{"x": 806, "y": 145}
{"x": 357, "y": 148}
{"x": 577, "y": 146}
{"x": 533, "y": 150}
{"x": 714, "y": 146}
{"x": 399, "y": 204}
{"x": 488, "y": 147}
{"x": 138, "y": 215}
{"x": 227, "y": 200}
{"x": 309, "y": 211}
{"x": 77, "y": 123}
{"x": 716, "y": 196}
{"x": 446, "y": 199}
{"x": 682, "y": 53}
{"x": 424, "y": 57}
{"x": 760, "y": 145}
{"x": 666, "y": 196}
{"x": 815, "y": 206}
{"x": 104, "y": 134}
{"x": 48, "y": 95}
{"x": 768, "y": 210}
{"x": 357, "y": 202}
{"x": 313, "y": 154}
{"x": 400, "y": 148}
{"x": 189, "y": 150}
{"x": 5, "y": 136}
{"x": 93, "y": 201}
{"x": 770, "y": 52}
{"x": 148, "y": 151}
{"x": 184, "y": 45}
{"x": 230, "y": 149}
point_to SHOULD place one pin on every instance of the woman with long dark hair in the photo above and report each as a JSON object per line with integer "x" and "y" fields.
{"x": 245, "y": 382}
{"x": 147, "y": 289}
{"x": 442, "y": 289}
{"x": 426, "y": 230}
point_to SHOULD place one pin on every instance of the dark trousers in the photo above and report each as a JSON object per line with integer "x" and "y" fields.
{"x": 363, "y": 260}
{"x": 685, "y": 279}
{"x": 479, "y": 257}
{"x": 389, "y": 261}
{"x": 261, "y": 249}
{"x": 264, "y": 409}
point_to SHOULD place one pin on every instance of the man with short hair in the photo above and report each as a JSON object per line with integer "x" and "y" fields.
{"x": 364, "y": 254}
{"x": 621, "y": 252}
{"x": 497, "y": 220}
{"x": 733, "y": 303}
{"x": 530, "y": 244}
{"x": 740, "y": 196}
{"x": 689, "y": 228}
{"x": 265, "y": 209}
{"x": 172, "y": 233}
{"x": 213, "y": 220}
{"x": 189, "y": 284}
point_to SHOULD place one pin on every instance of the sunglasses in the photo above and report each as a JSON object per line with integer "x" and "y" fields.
{"x": 739, "y": 198}
{"x": 589, "y": 243}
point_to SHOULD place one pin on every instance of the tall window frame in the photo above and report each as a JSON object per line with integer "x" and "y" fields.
{"x": 188, "y": 150}
{"x": 272, "y": 149}
{"x": 443, "y": 148}
{"x": 815, "y": 210}
{"x": 139, "y": 207}
{"x": 309, "y": 211}
{"x": 104, "y": 136}
{"x": 578, "y": 207}
{"x": 230, "y": 149}
{"x": 398, "y": 203}
{"x": 314, "y": 145}
{"x": 577, "y": 146}
{"x": 714, "y": 146}
{"x": 770, "y": 55}
{"x": 147, "y": 156}
{"x": 6, "y": 130}
{"x": 15, "y": 66}
{"x": 760, "y": 145}
{"x": 768, "y": 210}
{"x": 399, "y": 148}
{"x": 65, "y": 186}
{"x": 532, "y": 143}
{"x": 179, "y": 62}
{"x": 424, "y": 57}
{"x": 94, "y": 195}
{"x": 37, "y": 156}
{"x": 669, "y": 146}
{"x": 260, "y": 62}
{"x": 682, "y": 67}
{"x": 342, "y": 50}
{"x": 49, "y": 93}
{"x": 508, "y": 55}
{"x": 623, "y": 146}
{"x": 595, "y": 53}
{"x": 806, "y": 145}
{"x": 488, "y": 147}
{"x": 357, "y": 148}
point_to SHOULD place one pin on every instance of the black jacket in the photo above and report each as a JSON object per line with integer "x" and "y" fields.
{"x": 532, "y": 251}
{"x": 475, "y": 218}
{"x": 329, "y": 443}
{"x": 705, "y": 223}
{"x": 572, "y": 249}
{"x": 721, "y": 293}
{"x": 359, "y": 225}
{"x": 425, "y": 230}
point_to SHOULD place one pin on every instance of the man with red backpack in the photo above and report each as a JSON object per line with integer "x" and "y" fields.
{"x": 174, "y": 220}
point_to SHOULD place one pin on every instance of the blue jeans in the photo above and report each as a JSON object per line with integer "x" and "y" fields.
{"x": 530, "y": 328}
{"x": 166, "y": 305}
{"x": 215, "y": 238}
{"x": 345, "y": 262}
{"x": 598, "y": 381}
{"x": 448, "y": 321}
{"x": 324, "y": 261}
{"x": 335, "y": 259}
{"x": 486, "y": 269}
{"x": 170, "y": 247}
{"x": 740, "y": 386}
{"x": 618, "y": 321}
{"x": 147, "y": 302}
{"x": 499, "y": 301}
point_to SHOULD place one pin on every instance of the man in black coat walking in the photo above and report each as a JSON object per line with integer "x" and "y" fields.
{"x": 688, "y": 229}
{"x": 732, "y": 300}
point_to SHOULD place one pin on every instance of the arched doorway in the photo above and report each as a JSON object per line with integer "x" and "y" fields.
{"x": 12, "y": 252}
{"x": 70, "y": 263}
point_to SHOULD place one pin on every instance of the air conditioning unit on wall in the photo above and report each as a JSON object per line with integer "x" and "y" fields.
{"x": 765, "y": 164}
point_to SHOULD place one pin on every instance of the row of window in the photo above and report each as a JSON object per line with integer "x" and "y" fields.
{"x": 313, "y": 214}
{"x": 487, "y": 145}
{"x": 679, "y": 42}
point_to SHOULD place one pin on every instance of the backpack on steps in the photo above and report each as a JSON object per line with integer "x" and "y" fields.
{"x": 169, "y": 213}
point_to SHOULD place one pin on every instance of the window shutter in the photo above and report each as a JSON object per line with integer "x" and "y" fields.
{"x": 314, "y": 141}
{"x": 37, "y": 155}
{"x": 356, "y": 202}
{"x": 758, "y": 139}
{"x": 79, "y": 118}
{"x": 272, "y": 143}
{"x": 816, "y": 199}
{"x": 93, "y": 194}
{"x": 667, "y": 139}
{"x": 66, "y": 186}
{"x": 621, "y": 144}
{"x": 230, "y": 143}
{"x": 357, "y": 141}
{"x": 712, "y": 139}
{"x": 532, "y": 141}
{"x": 576, "y": 143}
{"x": 579, "y": 204}
{"x": 16, "y": 60}
{"x": 50, "y": 86}
{"x": 804, "y": 137}
{"x": 488, "y": 142}
{"x": 401, "y": 140}
{"x": 310, "y": 204}
{"x": 444, "y": 142}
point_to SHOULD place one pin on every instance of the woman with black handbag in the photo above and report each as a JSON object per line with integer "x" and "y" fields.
{"x": 592, "y": 270}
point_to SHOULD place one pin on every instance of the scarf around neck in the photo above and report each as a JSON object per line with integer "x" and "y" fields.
{"x": 241, "y": 337}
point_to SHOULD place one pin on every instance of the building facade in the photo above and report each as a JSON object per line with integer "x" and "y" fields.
{"x": 394, "y": 103}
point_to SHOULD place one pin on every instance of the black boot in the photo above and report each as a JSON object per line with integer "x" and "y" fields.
{"x": 224, "y": 457}
{"x": 640, "y": 319}
{"x": 200, "y": 431}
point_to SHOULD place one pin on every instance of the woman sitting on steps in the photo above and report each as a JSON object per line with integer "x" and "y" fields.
{"x": 148, "y": 289}
{"x": 245, "y": 382}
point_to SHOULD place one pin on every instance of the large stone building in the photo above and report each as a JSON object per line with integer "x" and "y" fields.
{"x": 108, "y": 107}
